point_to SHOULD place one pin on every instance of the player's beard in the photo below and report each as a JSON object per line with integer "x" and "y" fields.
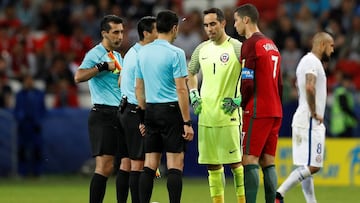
{"x": 325, "y": 57}
{"x": 117, "y": 44}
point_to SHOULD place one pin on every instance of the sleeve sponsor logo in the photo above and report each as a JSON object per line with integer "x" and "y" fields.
{"x": 247, "y": 73}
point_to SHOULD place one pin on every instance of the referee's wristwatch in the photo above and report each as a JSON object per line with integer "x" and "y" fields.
{"x": 188, "y": 123}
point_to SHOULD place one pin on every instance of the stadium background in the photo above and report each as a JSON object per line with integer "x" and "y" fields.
{"x": 65, "y": 127}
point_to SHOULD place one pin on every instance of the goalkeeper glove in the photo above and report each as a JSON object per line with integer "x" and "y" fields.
{"x": 195, "y": 100}
{"x": 231, "y": 104}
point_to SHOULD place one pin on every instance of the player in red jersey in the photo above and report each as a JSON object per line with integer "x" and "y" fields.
{"x": 261, "y": 89}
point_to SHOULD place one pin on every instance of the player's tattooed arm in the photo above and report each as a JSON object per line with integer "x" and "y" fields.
{"x": 310, "y": 95}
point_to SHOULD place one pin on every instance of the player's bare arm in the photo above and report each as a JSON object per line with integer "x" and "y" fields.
{"x": 310, "y": 92}
{"x": 140, "y": 92}
{"x": 85, "y": 74}
{"x": 192, "y": 81}
{"x": 310, "y": 95}
{"x": 183, "y": 101}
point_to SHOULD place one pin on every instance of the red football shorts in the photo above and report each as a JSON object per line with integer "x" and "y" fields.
{"x": 260, "y": 135}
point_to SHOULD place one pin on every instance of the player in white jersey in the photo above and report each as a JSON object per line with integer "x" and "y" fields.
{"x": 309, "y": 64}
{"x": 308, "y": 130}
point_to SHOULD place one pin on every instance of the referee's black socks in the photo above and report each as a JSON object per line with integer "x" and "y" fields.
{"x": 147, "y": 184}
{"x": 134, "y": 186}
{"x": 174, "y": 185}
{"x": 97, "y": 188}
{"x": 122, "y": 186}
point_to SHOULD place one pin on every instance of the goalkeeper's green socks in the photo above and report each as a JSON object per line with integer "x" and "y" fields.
{"x": 217, "y": 185}
{"x": 238, "y": 174}
{"x": 218, "y": 199}
{"x": 251, "y": 180}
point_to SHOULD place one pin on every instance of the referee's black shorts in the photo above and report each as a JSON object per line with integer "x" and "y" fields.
{"x": 164, "y": 128}
{"x": 105, "y": 131}
{"x": 130, "y": 121}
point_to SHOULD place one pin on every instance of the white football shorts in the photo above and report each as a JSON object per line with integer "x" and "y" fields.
{"x": 308, "y": 146}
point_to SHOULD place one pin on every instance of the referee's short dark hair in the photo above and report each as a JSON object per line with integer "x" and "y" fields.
{"x": 219, "y": 13}
{"x": 105, "y": 26}
{"x": 145, "y": 24}
{"x": 165, "y": 20}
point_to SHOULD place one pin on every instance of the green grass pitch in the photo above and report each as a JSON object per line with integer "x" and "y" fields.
{"x": 74, "y": 189}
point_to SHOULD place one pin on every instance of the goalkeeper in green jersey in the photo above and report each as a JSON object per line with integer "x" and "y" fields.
{"x": 218, "y": 104}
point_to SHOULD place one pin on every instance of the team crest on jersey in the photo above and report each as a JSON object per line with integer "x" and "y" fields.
{"x": 224, "y": 57}
{"x": 318, "y": 158}
{"x": 298, "y": 139}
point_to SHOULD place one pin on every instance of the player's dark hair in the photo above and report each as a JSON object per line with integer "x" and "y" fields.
{"x": 219, "y": 14}
{"x": 145, "y": 24}
{"x": 105, "y": 22}
{"x": 250, "y": 11}
{"x": 165, "y": 21}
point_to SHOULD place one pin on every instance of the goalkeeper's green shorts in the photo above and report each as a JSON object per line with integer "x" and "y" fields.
{"x": 219, "y": 145}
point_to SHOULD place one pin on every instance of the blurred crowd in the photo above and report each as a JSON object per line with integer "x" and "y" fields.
{"x": 47, "y": 39}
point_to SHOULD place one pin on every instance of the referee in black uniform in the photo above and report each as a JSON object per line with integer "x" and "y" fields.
{"x": 129, "y": 116}
{"x": 160, "y": 76}
{"x": 105, "y": 133}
